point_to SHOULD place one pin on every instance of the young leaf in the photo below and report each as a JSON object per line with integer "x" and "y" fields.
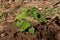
{"x": 38, "y": 16}
{"x": 25, "y": 25}
{"x": 18, "y": 23}
{"x": 31, "y": 30}
{"x": 0, "y": 14}
{"x": 29, "y": 12}
{"x": 23, "y": 9}
{"x": 35, "y": 14}
{"x": 42, "y": 19}
{"x": 20, "y": 16}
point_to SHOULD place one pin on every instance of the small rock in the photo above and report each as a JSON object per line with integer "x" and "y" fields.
{"x": 40, "y": 8}
{"x": 2, "y": 35}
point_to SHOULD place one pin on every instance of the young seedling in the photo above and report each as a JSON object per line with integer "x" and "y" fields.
{"x": 25, "y": 24}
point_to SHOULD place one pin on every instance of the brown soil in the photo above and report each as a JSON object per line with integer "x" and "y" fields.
{"x": 50, "y": 31}
{"x": 8, "y": 30}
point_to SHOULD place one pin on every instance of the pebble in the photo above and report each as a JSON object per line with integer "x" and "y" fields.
{"x": 40, "y": 8}
{"x": 2, "y": 35}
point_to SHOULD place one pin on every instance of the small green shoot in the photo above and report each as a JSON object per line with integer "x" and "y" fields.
{"x": 0, "y": 14}
{"x": 42, "y": 19}
{"x": 34, "y": 12}
{"x": 32, "y": 30}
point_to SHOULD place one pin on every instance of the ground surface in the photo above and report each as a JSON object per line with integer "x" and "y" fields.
{"x": 10, "y": 8}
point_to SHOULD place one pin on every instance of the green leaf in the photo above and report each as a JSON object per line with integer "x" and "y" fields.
{"x": 0, "y": 14}
{"x": 35, "y": 14}
{"x": 25, "y": 25}
{"x": 38, "y": 16}
{"x": 23, "y": 9}
{"x": 18, "y": 23}
{"x": 28, "y": 12}
{"x": 42, "y": 19}
{"x": 20, "y": 16}
{"x": 31, "y": 30}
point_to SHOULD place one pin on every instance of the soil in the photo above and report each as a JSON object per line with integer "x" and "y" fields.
{"x": 10, "y": 8}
